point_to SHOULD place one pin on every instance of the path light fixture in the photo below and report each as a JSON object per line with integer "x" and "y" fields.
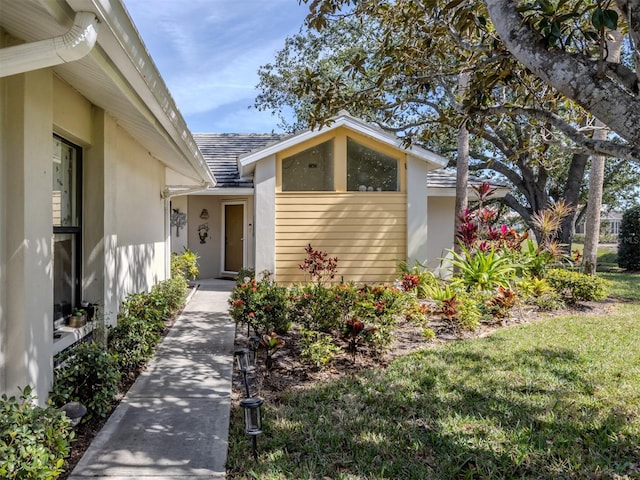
{"x": 75, "y": 411}
{"x": 254, "y": 345}
{"x": 242, "y": 356}
{"x": 252, "y": 420}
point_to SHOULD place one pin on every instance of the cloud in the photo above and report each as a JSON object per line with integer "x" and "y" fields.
{"x": 209, "y": 51}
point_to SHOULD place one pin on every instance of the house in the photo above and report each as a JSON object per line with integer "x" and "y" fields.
{"x": 92, "y": 147}
{"x": 609, "y": 223}
{"x": 349, "y": 189}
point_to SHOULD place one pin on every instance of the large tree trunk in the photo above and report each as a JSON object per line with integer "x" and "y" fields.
{"x": 596, "y": 177}
{"x": 576, "y": 76}
{"x": 594, "y": 206}
{"x": 462, "y": 166}
{"x": 571, "y": 197}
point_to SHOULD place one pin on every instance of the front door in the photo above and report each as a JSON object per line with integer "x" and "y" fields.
{"x": 233, "y": 237}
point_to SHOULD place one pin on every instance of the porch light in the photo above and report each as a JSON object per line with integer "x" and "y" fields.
{"x": 252, "y": 420}
{"x": 75, "y": 411}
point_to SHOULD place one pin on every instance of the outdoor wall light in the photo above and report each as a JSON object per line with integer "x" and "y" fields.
{"x": 75, "y": 411}
{"x": 252, "y": 420}
{"x": 242, "y": 361}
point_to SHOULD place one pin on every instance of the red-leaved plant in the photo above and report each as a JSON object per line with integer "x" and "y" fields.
{"x": 319, "y": 265}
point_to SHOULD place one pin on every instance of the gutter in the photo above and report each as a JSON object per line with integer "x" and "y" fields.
{"x": 71, "y": 46}
{"x": 176, "y": 190}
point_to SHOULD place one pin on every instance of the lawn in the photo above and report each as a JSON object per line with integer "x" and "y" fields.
{"x": 555, "y": 398}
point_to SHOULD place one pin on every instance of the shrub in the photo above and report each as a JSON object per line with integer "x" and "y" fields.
{"x": 34, "y": 441}
{"x": 88, "y": 374}
{"x": 321, "y": 308}
{"x": 148, "y": 307}
{"x": 483, "y": 270}
{"x": 173, "y": 293}
{"x": 132, "y": 342}
{"x": 629, "y": 240}
{"x": 262, "y": 305}
{"x": 319, "y": 265}
{"x": 317, "y": 348}
{"x": 576, "y": 286}
{"x": 502, "y": 302}
{"x": 185, "y": 264}
{"x": 417, "y": 279}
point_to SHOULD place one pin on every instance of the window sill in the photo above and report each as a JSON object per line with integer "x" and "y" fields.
{"x": 66, "y": 336}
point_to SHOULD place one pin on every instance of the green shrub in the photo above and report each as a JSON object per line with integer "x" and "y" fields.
{"x": 184, "y": 264}
{"x": 34, "y": 441}
{"x": 575, "y": 286}
{"x": 317, "y": 348}
{"x": 262, "y": 305}
{"x": 173, "y": 293}
{"x": 483, "y": 270}
{"x": 150, "y": 307}
{"x": 132, "y": 342}
{"x": 245, "y": 275}
{"x": 88, "y": 374}
{"x": 322, "y": 308}
{"x": 417, "y": 278}
{"x": 629, "y": 240}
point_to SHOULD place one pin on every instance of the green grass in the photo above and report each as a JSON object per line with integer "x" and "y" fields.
{"x": 558, "y": 398}
{"x": 624, "y": 286}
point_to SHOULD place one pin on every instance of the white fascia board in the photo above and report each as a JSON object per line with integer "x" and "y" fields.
{"x": 246, "y": 162}
{"x": 121, "y": 42}
{"x": 227, "y": 191}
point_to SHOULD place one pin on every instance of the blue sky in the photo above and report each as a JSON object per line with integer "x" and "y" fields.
{"x": 209, "y": 51}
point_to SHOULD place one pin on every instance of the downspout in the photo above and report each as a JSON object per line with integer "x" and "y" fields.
{"x": 73, "y": 45}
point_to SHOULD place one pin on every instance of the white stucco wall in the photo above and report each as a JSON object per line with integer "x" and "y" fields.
{"x": 441, "y": 221}
{"x": 180, "y": 237}
{"x": 265, "y": 215}
{"x": 418, "y": 215}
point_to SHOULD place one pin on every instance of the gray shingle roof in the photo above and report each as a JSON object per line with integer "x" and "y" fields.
{"x": 221, "y": 152}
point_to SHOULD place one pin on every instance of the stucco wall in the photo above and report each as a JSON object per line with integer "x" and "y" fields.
{"x": 440, "y": 238}
{"x": 180, "y": 237}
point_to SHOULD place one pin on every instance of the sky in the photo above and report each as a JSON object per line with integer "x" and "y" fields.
{"x": 209, "y": 51}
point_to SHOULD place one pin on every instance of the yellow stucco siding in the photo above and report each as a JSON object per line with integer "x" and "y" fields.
{"x": 365, "y": 230}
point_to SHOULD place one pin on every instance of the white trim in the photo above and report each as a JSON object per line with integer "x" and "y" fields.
{"x": 224, "y": 204}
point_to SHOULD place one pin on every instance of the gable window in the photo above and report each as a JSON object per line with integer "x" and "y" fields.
{"x": 66, "y": 194}
{"x": 309, "y": 170}
{"x": 369, "y": 170}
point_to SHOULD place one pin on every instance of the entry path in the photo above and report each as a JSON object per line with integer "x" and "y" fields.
{"x": 174, "y": 421}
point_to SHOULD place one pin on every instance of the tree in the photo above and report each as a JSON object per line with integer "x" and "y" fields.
{"x": 403, "y": 75}
{"x": 608, "y": 91}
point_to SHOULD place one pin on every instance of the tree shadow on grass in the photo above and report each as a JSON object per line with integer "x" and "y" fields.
{"x": 453, "y": 413}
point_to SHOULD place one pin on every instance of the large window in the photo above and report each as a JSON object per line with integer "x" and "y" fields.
{"x": 67, "y": 228}
{"x": 369, "y": 170}
{"x": 309, "y": 170}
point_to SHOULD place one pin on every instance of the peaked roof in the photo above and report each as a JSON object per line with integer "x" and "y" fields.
{"x": 222, "y": 150}
{"x": 343, "y": 119}
{"x": 442, "y": 183}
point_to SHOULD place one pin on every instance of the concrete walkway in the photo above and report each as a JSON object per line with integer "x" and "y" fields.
{"x": 174, "y": 421}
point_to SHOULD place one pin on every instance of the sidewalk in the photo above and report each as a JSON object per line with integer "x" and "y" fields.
{"x": 174, "y": 421}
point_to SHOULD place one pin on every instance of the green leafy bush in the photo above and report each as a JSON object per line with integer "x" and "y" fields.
{"x": 629, "y": 240}
{"x": 132, "y": 342}
{"x": 185, "y": 264}
{"x": 417, "y": 278}
{"x": 317, "y": 348}
{"x": 322, "y": 308}
{"x": 173, "y": 293}
{"x": 483, "y": 270}
{"x": 34, "y": 441}
{"x": 148, "y": 307}
{"x": 88, "y": 374}
{"x": 262, "y": 305}
{"x": 576, "y": 286}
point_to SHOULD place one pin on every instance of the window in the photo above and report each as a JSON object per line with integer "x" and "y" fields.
{"x": 368, "y": 170}
{"x": 66, "y": 194}
{"x": 309, "y": 170}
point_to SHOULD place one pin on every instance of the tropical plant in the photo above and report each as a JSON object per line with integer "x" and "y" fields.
{"x": 318, "y": 307}
{"x": 34, "y": 441}
{"x": 483, "y": 270}
{"x": 261, "y": 305}
{"x": 271, "y": 344}
{"x": 320, "y": 267}
{"x": 317, "y": 348}
{"x": 356, "y": 333}
{"x": 417, "y": 278}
